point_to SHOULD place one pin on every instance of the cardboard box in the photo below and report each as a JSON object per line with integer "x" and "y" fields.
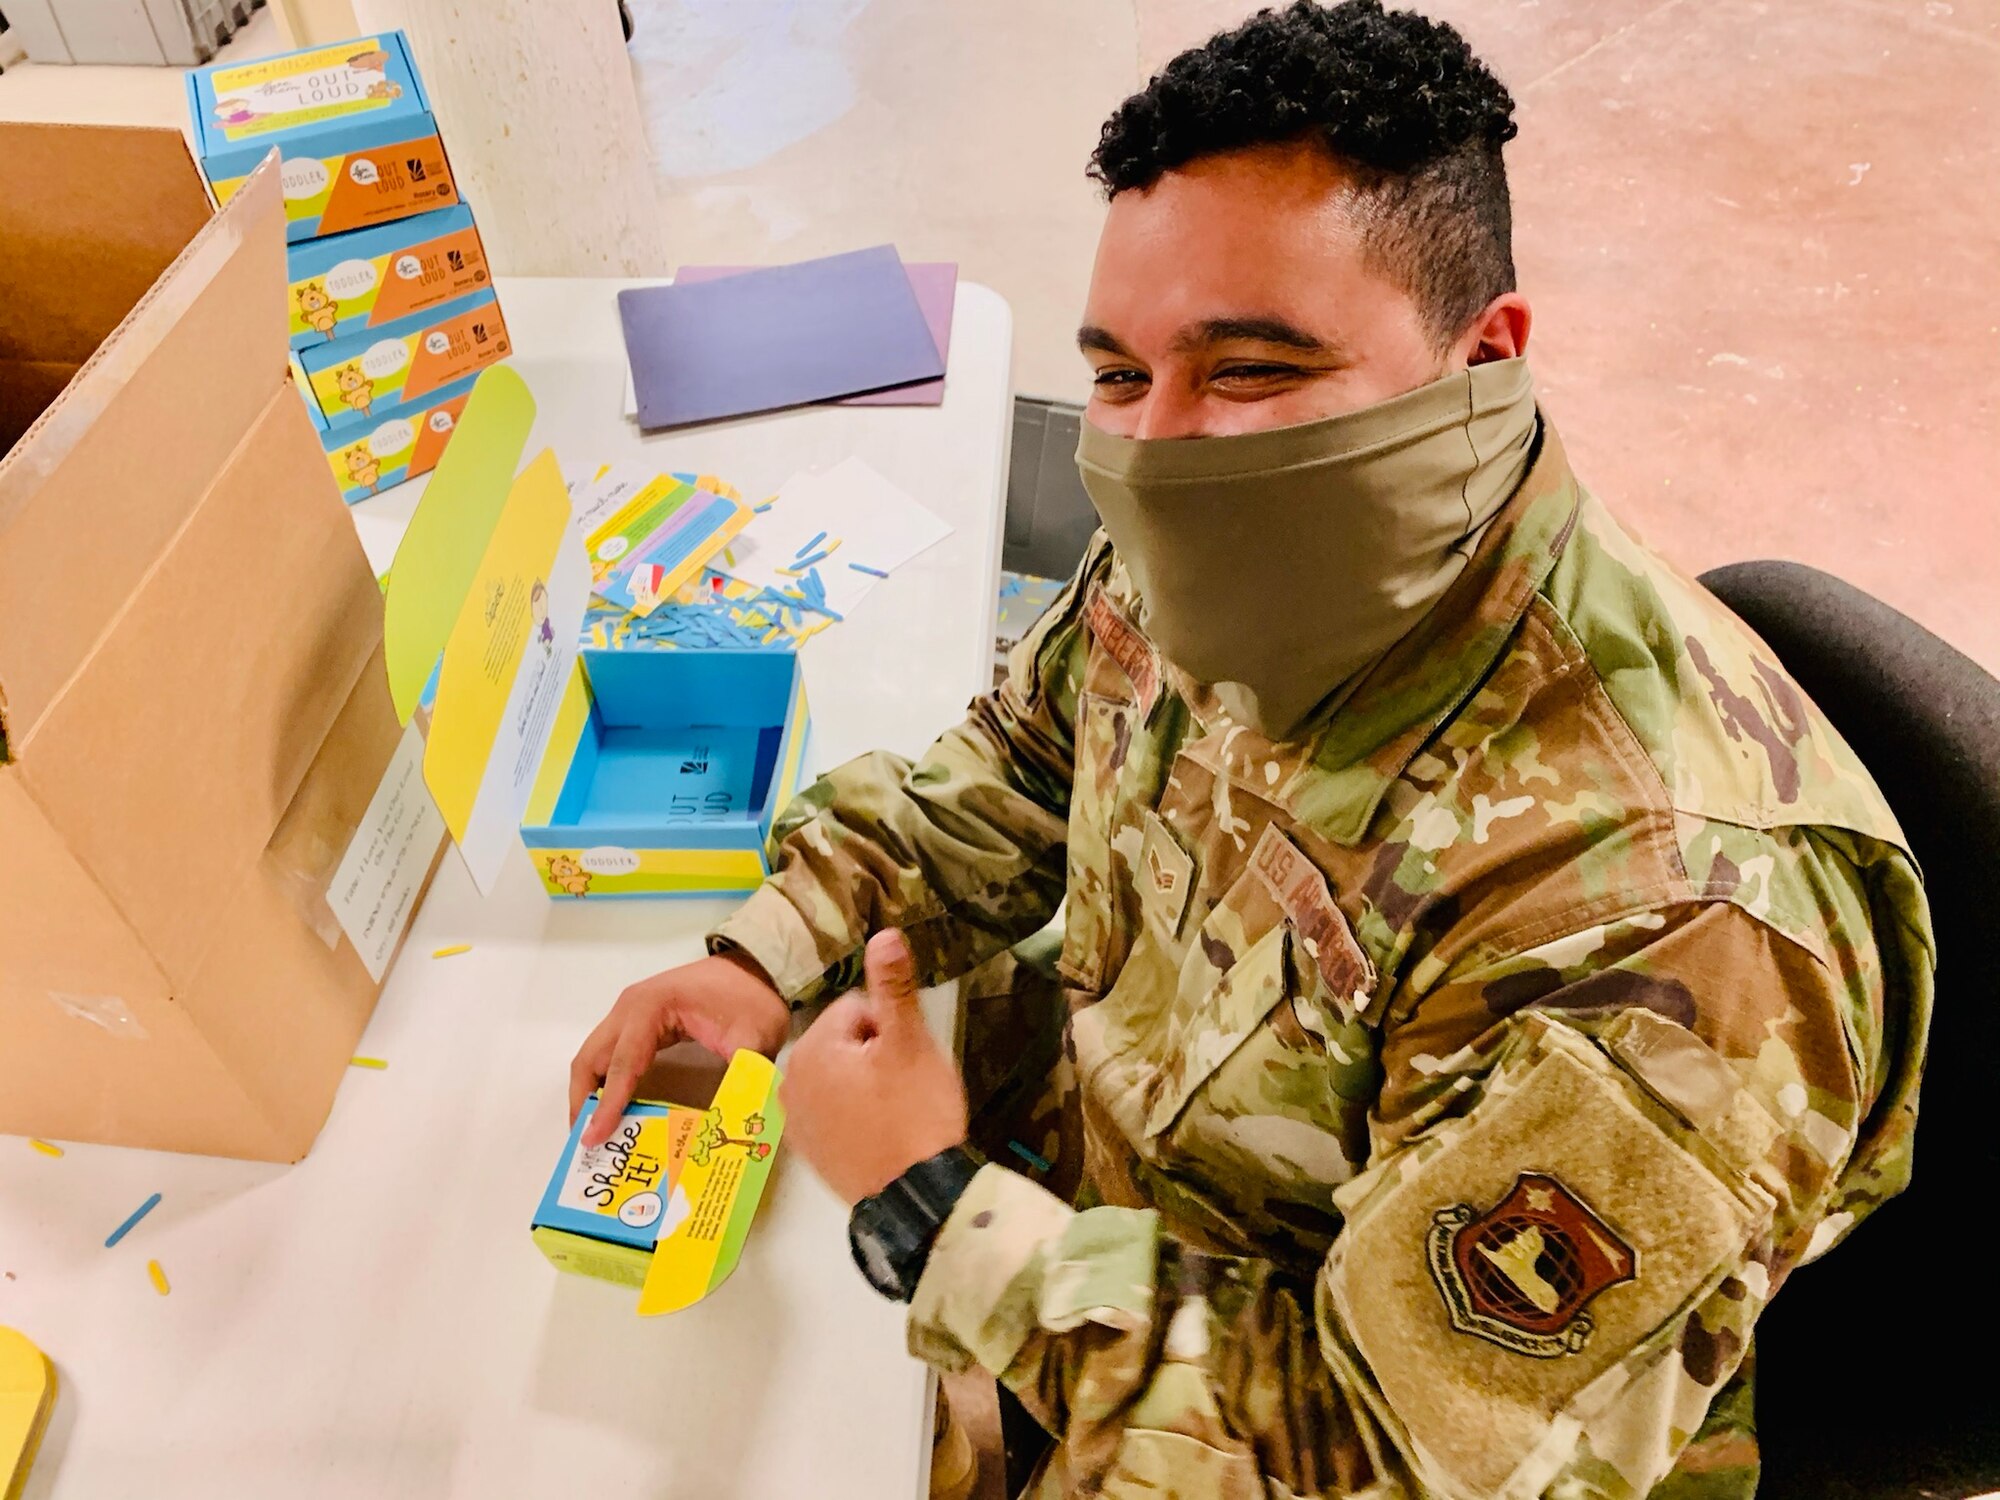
{"x": 665, "y": 771}
{"x": 195, "y": 715}
{"x": 404, "y": 441}
{"x": 360, "y": 145}
{"x": 385, "y": 281}
{"x": 350, "y": 379}
{"x": 666, "y": 1204}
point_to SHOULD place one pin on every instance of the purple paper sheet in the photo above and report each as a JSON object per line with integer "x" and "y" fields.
{"x": 936, "y": 284}
{"x": 780, "y": 337}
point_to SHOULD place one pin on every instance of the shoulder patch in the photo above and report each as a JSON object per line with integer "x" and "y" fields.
{"x": 1516, "y": 1269}
{"x": 1521, "y": 1272}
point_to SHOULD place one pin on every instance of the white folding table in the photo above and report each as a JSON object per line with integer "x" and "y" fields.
{"x": 374, "y": 1323}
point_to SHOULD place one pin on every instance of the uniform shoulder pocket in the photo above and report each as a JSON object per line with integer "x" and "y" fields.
{"x": 1509, "y": 1272}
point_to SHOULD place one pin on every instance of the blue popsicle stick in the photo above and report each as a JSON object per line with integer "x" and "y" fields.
{"x": 871, "y": 572}
{"x": 137, "y": 1214}
{"x": 817, "y": 557}
{"x": 810, "y": 545}
{"x": 1030, "y": 1157}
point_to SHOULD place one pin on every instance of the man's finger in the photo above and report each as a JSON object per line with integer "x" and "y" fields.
{"x": 892, "y": 978}
{"x": 585, "y": 1072}
{"x": 629, "y": 1061}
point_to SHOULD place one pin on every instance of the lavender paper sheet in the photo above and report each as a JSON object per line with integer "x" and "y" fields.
{"x": 936, "y": 284}
{"x": 768, "y": 339}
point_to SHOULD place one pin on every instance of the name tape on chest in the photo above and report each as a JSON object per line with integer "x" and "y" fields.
{"x": 1131, "y": 650}
{"x": 1296, "y": 884}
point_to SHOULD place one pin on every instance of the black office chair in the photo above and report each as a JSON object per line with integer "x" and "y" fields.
{"x": 1878, "y": 1368}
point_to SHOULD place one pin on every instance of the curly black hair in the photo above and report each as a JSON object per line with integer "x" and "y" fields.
{"x": 1399, "y": 100}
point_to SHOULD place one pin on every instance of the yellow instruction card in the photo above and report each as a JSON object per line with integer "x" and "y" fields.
{"x": 485, "y": 605}
{"x": 447, "y": 537}
{"x": 720, "y": 1181}
{"x": 505, "y": 668}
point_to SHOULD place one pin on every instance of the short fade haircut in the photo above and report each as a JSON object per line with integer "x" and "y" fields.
{"x": 1400, "y": 103}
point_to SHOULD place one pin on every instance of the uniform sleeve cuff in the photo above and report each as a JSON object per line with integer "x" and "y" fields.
{"x": 769, "y": 929}
{"x": 976, "y": 1302}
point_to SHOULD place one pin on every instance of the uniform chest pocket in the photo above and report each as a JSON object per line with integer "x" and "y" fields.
{"x": 1266, "y": 1087}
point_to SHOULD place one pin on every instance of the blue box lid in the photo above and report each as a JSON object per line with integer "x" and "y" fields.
{"x": 365, "y": 91}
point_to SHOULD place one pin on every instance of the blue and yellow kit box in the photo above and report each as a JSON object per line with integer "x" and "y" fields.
{"x": 352, "y": 379}
{"x": 351, "y": 121}
{"x": 396, "y": 442}
{"x": 387, "y": 280}
{"x": 666, "y": 1203}
{"x": 665, "y": 771}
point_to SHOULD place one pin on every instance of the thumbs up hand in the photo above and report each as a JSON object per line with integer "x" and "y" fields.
{"x": 868, "y": 1092}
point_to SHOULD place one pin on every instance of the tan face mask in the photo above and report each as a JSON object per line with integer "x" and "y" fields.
{"x": 1275, "y": 565}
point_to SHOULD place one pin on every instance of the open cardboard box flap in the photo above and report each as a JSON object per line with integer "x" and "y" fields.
{"x": 211, "y": 713}
{"x": 99, "y": 481}
{"x": 194, "y": 707}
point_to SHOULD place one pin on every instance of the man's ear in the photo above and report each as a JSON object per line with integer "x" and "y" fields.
{"x": 1499, "y": 332}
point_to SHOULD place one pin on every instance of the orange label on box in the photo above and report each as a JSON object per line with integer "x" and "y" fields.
{"x": 430, "y": 274}
{"x": 388, "y": 182}
{"x": 455, "y": 349}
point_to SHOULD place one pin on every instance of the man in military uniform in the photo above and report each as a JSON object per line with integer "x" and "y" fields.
{"x": 1488, "y": 976}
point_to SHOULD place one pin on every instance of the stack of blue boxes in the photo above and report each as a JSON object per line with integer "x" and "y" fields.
{"x": 393, "y": 312}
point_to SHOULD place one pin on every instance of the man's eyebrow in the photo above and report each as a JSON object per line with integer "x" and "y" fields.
{"x": 1249, "y": 331}
{"x": 1090, "y": 336}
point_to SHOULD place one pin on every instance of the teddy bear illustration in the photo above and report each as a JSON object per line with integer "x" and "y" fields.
{"x": 356, "y": 389}
{"x": 385, "y": 88}
{"x": 319, "y": 311}
{"x": 568, "y": 876}
{"x": 363, "y": 467}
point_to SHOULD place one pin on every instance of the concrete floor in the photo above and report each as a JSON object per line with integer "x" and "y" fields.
{"x": 1760, "y": 235}
{"x": 1754, "y": 234}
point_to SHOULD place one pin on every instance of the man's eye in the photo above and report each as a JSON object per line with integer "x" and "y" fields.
{"x": 1105, "y": 379}
{"x": 1256, "y": 372}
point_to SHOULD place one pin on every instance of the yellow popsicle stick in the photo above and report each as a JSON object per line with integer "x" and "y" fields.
{"x": 159, "y": 1277}
{"x": 366, "y": 1062}
{"x": 453, "y": 951}
{"x": 47, "y": 1148}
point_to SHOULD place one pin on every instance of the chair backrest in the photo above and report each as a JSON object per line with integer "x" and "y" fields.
{"x": 1878, "y": 1368}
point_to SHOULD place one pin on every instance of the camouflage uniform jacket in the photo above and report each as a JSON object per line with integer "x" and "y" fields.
{"x": 1458, "y": 1081}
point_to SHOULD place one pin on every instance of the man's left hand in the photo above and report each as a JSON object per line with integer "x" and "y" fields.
{"x": 868, "y": 1092}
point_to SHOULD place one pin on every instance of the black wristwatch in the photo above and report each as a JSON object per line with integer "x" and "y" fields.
{"x": 891, "y": 1233}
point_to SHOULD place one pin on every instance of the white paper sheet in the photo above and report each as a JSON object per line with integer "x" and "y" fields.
{"x": 375, "y": 888}
{"x": 865, "y": 520}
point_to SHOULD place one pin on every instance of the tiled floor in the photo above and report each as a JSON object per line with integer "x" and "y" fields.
{"x": 1761, "y": 236}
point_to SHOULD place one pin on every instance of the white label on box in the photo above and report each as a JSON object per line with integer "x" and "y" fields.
{"x": 384, "y": 358}
{"x": 391, "y": 438}
{"x": 375, "y": 889}
{"x": 609, "y": 859}
{"x": 303, "y": 177}
{"x": 351, "y": 278}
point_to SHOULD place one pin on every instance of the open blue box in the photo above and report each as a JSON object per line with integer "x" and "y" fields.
{"x": 665, "y": 771}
